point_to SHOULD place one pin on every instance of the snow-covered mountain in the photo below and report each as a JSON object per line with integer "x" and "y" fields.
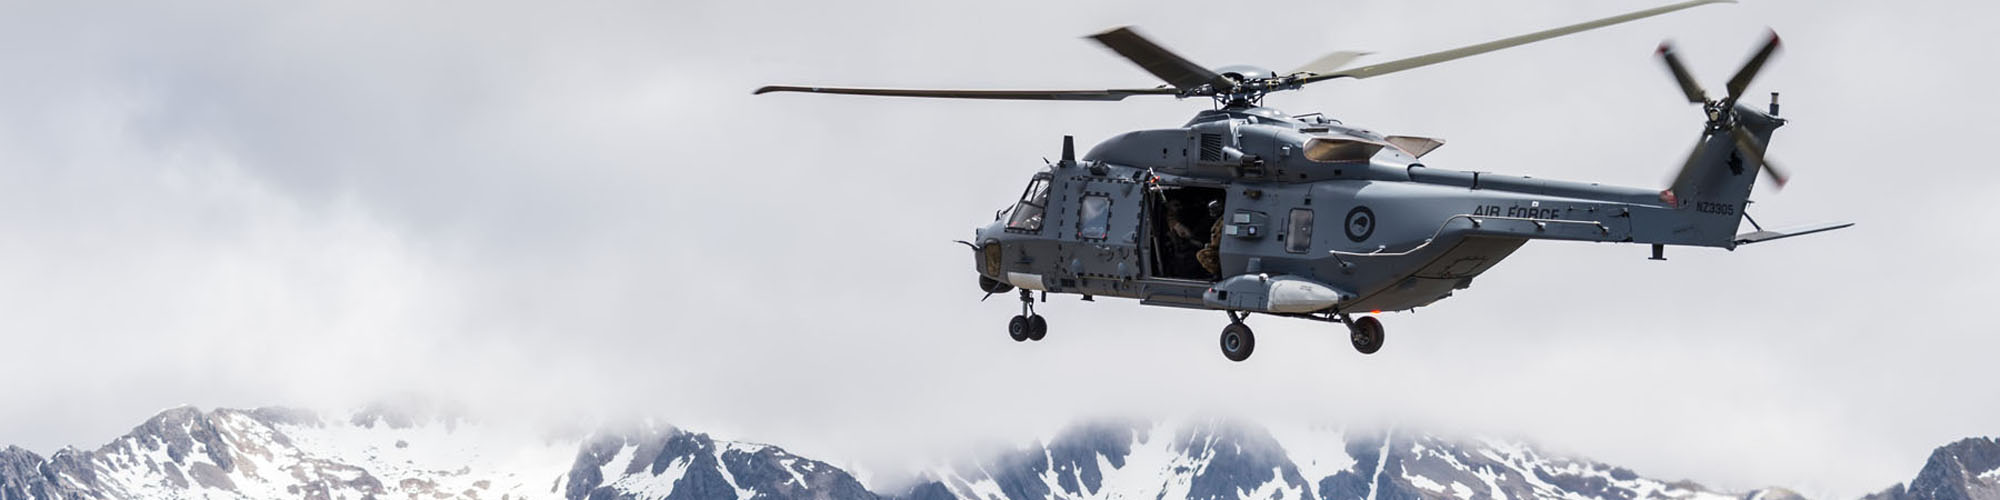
{"x": 383, "y": 453}
{"x": 282, "y": 453}
{"x": 650, "y": 462}
{"x": 1221, "y": 459}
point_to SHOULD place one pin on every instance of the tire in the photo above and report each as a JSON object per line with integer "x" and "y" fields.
{"x": 1366, "y": 334}
{"x": 1018, "y": 328}
{"x": 1037, "y": 327}
{"x": 1238, "y": 342}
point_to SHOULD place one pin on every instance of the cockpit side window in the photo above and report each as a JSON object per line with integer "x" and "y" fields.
{"x": 1034, "y": 202}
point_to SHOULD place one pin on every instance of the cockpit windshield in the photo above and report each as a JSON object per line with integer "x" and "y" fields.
{"x": 1034, "y": 202}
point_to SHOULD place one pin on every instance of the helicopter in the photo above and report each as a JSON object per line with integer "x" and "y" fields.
{"x": 1249, "y": 210}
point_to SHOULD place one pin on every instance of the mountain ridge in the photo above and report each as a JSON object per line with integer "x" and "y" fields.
{"x": 418, "y": 451}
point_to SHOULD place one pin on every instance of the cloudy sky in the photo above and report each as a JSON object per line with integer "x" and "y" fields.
{"x": 580, "y": 210}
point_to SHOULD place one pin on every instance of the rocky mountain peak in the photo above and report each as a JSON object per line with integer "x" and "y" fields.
{"x": 667, "y": 462}
{"x": 1964, "y": 470}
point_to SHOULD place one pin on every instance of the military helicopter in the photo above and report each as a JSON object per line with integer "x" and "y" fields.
{"x": 1246, "y": 209}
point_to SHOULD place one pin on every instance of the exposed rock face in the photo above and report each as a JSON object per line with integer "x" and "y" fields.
{"x": 25, "y": 475}
{"x": 665, "y": 462}
{"x": 1966, "y": 470}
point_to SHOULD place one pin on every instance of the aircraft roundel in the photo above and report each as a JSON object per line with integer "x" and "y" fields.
{"x": 1360, "y": 223}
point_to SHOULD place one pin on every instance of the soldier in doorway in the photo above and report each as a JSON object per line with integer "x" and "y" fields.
{"x": 1209, "y": 256}
{"x": 1183, "y": 235}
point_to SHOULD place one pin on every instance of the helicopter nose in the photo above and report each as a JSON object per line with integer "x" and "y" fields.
{"x": 980, "y": 233}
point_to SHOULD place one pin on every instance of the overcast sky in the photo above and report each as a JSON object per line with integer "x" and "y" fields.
{"x": 581, "y": 210}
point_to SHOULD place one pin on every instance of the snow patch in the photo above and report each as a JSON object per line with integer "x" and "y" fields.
{"x": 1319, "y": 451}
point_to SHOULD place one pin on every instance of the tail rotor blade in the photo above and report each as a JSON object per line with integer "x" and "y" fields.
{"x": 1684, "y": 181}
{"x": 1743, "y": 76}
{"x": 1750, "y": 147}
{"x": 1681, "y": 75}
{"x": 1778, "y": 177}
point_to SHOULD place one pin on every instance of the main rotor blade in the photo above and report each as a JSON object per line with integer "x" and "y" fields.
{"x": 1380, "y": 69}
{"x": 1681, "y": 75}
{"x": 1018, "y": 95}
{"x": 1330, "y": 62}
{"x": 1754, "y": 149}
{"x": 1743, "y": 76}
{"x": 1174, "y": 69}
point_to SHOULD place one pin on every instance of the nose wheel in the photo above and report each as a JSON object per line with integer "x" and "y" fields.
{"x": 1027, "y": 325}
{"x": 1366, "y": 334}
{"x": 1237, "y": 340}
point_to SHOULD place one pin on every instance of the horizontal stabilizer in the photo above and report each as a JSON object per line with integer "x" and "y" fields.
{"x": 1763, "y": 236}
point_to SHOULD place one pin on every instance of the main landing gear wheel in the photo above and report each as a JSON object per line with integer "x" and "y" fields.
{"x": 1017, "y": 328}
{"x": 1366, "y": 334}
{"x": 1037, "y": 327}
{"x": 1237, "y": 341}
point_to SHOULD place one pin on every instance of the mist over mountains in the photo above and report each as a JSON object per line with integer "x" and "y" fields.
{"x": 379, "y": 452}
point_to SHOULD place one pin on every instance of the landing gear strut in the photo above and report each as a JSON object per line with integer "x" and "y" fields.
{"x": 1027, "y": 325}
{"x": 1365, "y": 333}
{"x": 1237, "y": 341}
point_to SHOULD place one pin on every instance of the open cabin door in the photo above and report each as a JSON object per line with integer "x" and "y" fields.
{"x": 1182, "y": 231}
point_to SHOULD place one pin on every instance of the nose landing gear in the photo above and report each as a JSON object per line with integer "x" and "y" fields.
{"x": 1027, "y": 325}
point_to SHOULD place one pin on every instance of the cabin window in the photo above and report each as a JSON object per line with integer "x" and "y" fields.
{"x": 1299, "y": 231}
{"x": 1094, "y": 218}
{"x": 1034, "y": 202}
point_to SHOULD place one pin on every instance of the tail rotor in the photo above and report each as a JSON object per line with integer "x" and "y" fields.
{"x": 1724, "y": 117}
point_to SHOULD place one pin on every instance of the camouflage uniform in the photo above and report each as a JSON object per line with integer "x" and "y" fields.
{"x": 1208, "y": 256}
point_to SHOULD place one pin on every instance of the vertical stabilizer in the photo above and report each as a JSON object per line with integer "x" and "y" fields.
{"x": 1713, "y": 187}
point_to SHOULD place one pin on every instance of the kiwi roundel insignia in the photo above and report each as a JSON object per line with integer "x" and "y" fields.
{"x": 1360, "y": 223}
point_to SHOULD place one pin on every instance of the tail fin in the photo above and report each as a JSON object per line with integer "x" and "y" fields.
{"x": 1714, "y": 185}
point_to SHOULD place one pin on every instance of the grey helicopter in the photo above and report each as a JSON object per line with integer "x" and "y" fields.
{"x": 1249, "y": 210}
